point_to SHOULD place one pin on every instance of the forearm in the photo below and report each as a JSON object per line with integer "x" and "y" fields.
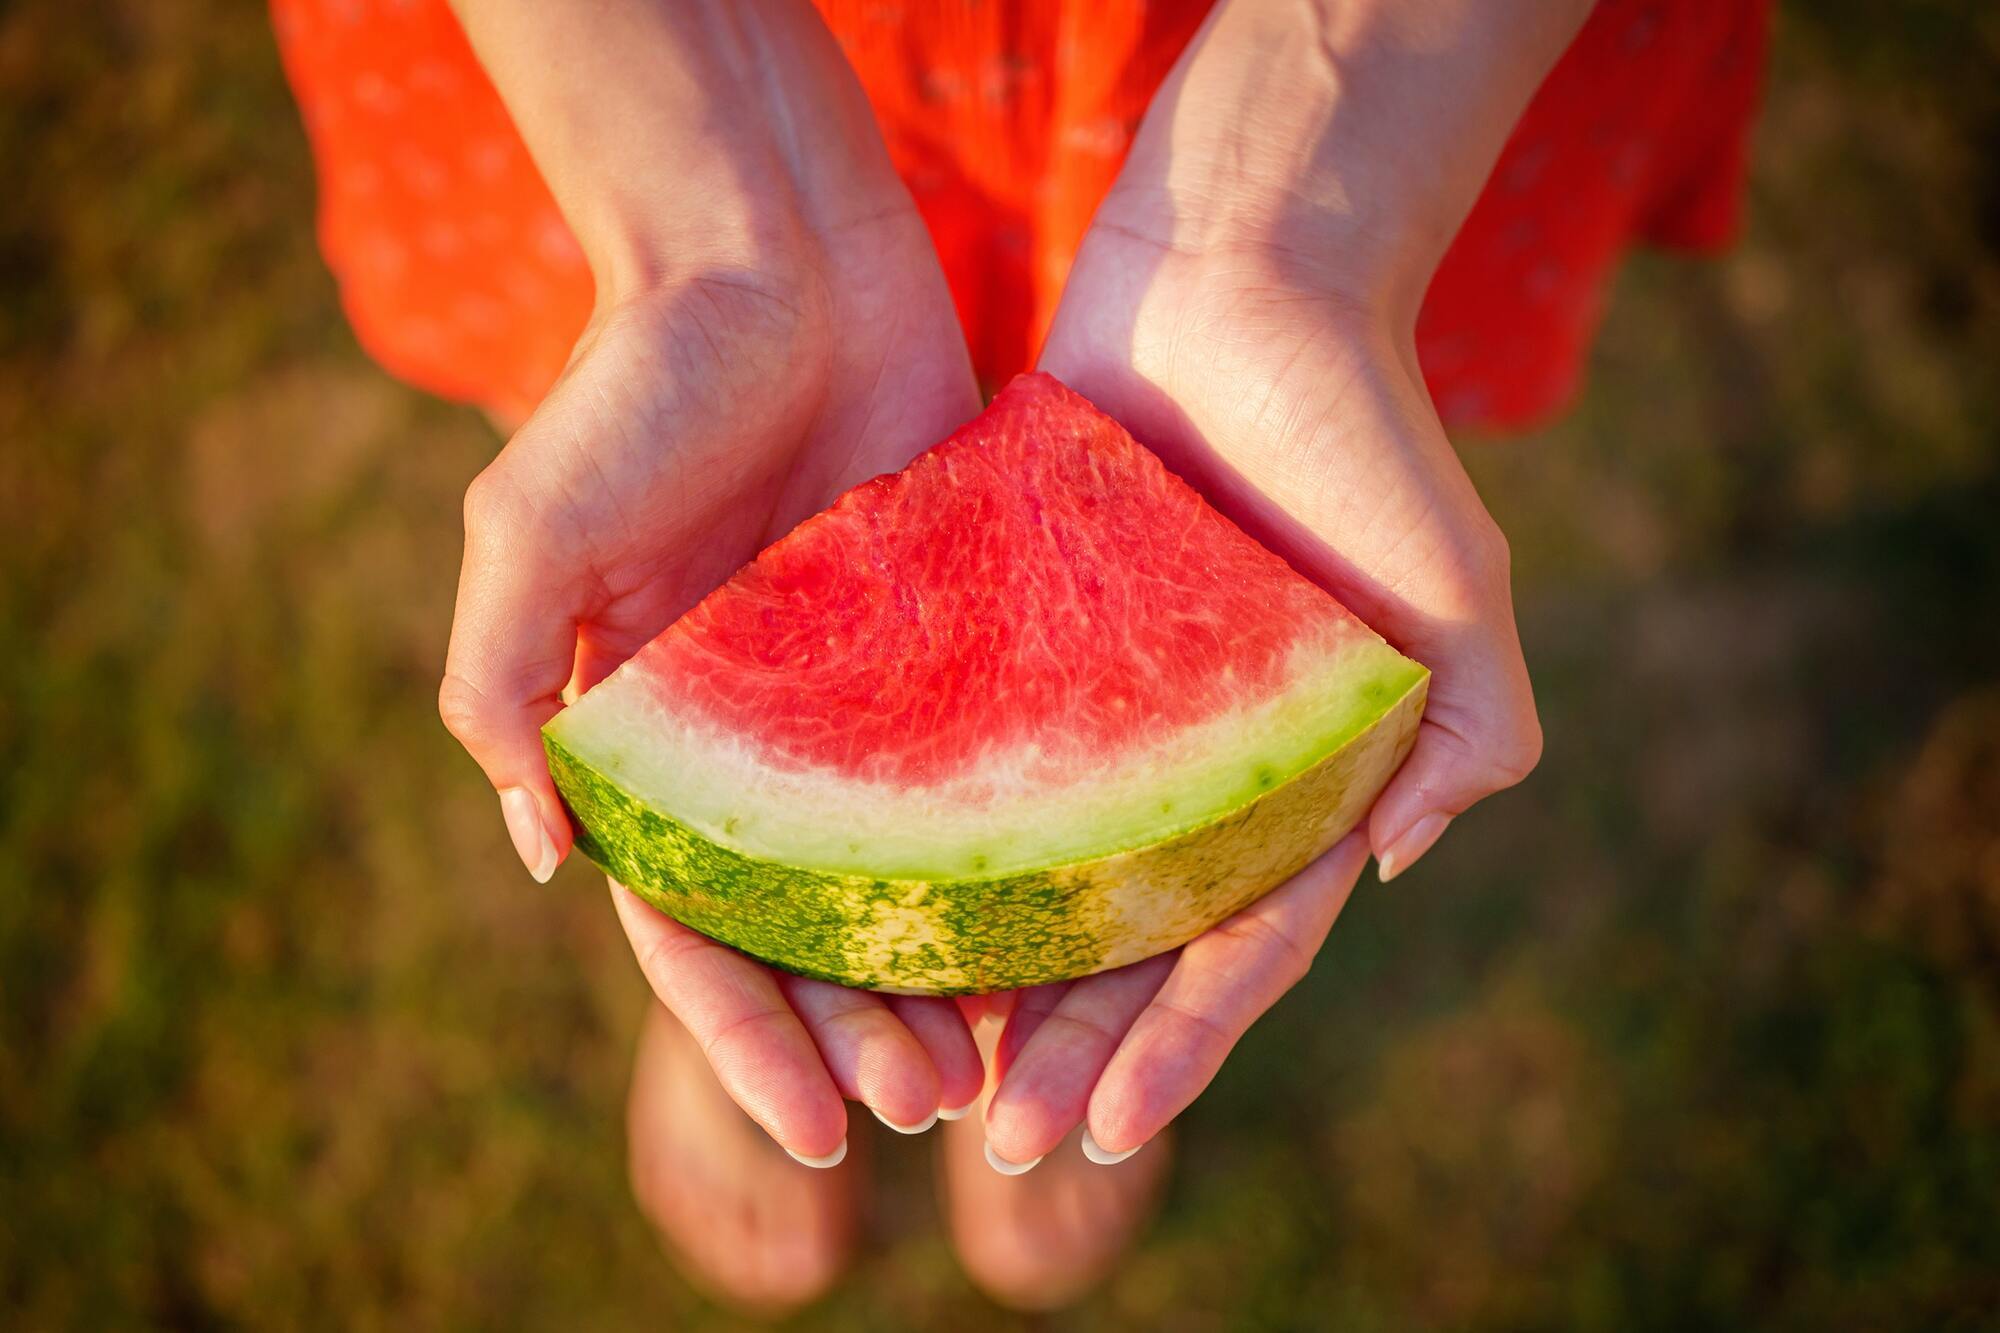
{"x": 679, "y": 136}
{"x": 1349, "y": 136}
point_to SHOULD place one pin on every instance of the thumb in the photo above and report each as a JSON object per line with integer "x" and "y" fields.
{"x": 513, "y": 648}
{"x": 1479, "y": 736}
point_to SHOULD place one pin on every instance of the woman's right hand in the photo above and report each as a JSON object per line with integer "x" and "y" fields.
{"x": 772, "y": 328}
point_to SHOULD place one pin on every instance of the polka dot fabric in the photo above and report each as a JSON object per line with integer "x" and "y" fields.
{"x": 1640, "y": 135}
{"x": 455, "y": 269}
{"x": 1008, "y": 122}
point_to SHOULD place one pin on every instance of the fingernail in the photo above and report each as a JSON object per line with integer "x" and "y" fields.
{"x": 532, "y": 842}
{"x": 918, "y": 1128}
{"x": 1404, "y": 851}
{"x": 1099, "y": 1155}
{"x": 833, "y": 1158}
{"x": 956, "y": 1112}
{"x": 1007, "y": 1168}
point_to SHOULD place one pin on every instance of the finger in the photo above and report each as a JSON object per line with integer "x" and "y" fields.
{"x": 1030, "y": 1007}
{"x": 597, "y": 656}
{"x": 1223, "y": 982}
{"x": 1480, "y": 735}
{"x": 731, "y": 1005}
{"x": 873, "y": 1058}
{"x": 1046, "y": 1092}
{"x": 942, "y": 1029}
{"x": 513, "y": 647}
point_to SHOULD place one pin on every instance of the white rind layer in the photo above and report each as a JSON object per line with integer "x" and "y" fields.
{"x": 1008, "y": 812}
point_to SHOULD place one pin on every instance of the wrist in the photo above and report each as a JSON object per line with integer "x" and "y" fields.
{"x": 701, "y": 137}
{"x": 1339, "y": 145}
{"x": 725, "y": 222}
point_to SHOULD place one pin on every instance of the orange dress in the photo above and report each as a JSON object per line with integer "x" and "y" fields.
{"x": 1008, "y": 122}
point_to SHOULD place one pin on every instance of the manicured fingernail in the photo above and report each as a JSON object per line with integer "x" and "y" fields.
{"x": 1099, "y": 1155}
{"x": 1404, "y": 851}
{"x": 956, "y": 1112}
{"x": 531, "y": 840}
{"x": 1007, "y": 1168}
{"x": 917, "y": 1128}
{"x": 833, "y": 1158}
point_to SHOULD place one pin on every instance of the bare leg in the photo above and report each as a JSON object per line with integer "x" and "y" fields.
{"x": 1040, "y": 1240}
{"x": 741, "y": 1220}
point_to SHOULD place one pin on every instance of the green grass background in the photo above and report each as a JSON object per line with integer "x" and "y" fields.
{"x": 1700, "y": 1028}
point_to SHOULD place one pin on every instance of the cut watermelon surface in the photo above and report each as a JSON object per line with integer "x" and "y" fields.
{"x": 1026, "y": 710}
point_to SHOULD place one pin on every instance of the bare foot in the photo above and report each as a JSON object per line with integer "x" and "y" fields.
{"x": 1040, "y": 1240}
{"x": 743, "y": 1222}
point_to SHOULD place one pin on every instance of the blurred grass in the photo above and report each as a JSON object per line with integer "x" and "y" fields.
{"x": 1700, "y": 1028}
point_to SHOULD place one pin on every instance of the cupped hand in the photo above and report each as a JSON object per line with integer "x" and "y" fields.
{"x": 788, "y": 336}
{"x": 1245, "y": 303}
{"x": 1306, "y": 421}
{"x": 694, "y": 425}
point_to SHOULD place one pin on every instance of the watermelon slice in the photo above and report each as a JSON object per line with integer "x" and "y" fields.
{"x": 1026, "y": 710}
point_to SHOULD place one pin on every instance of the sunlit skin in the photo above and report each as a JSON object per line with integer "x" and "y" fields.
{"x": 732, "y": 383}
{"x": 1246, "y": 303}
{"x": 773, "y": 327}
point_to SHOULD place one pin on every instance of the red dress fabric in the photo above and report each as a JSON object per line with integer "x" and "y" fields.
{"x": 1008, "y": 122}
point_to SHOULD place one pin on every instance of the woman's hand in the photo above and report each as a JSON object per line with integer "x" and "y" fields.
{"x": 772, "y": 328}
{"x": 1246, "y": 302}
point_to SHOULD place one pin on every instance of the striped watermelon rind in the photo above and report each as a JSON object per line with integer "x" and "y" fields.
{"x": 971, "y": 934}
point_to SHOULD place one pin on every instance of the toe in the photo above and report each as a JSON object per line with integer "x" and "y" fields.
{"x": 1039, "y": 1242}
{"x": 801, "y": 1251}
{"x": 742, "y": 1222}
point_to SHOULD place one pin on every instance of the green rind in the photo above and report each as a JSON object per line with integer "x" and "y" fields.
{"x": 974, "y": 935}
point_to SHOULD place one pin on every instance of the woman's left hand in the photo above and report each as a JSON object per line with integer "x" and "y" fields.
{"x": 1246, "y": 303}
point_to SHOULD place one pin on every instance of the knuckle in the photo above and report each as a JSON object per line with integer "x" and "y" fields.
{"x": 1467, "y": 574}
{"x": 1489, "y": 552}
{"x": 738, "y": 1040}
{"x": 479, "y": 500}
{"x": 1288, "y": 969}
{"x": 1091, "y": 1028}
{"x": 1280, "y": 958}
{"x": 490, "y": 501}
{"x": 665, "y": 957}
{"x": 857, "y": 1020}
{"x": 462, "y": 709}
{"x": 1196, "y": 1033}
{"x": 1294, "y": 963}
{"x": 657, "y": 961}
{"x": 1521, "y": 752}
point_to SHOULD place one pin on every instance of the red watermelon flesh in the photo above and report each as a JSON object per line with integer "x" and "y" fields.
{"x": 1086, "y": 597}
{"x": 1002, "y": 715}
